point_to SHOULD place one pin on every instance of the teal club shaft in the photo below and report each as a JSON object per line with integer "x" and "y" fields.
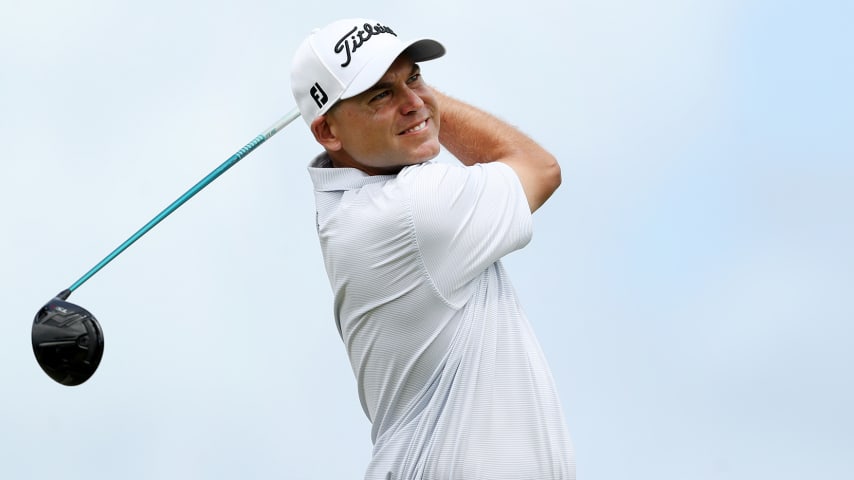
{"x": 263, "y": 137}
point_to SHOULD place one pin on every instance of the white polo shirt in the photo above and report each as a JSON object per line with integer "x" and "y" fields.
{"x": 448, "y": 369}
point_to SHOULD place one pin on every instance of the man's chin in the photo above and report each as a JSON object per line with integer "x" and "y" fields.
{"x": 430, "y": 152}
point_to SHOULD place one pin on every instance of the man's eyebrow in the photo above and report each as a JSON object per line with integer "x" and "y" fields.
{"x": 384, "y": 85}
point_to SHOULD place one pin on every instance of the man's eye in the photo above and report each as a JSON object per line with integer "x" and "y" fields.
{"x": 414, "y": 78}
{"x": 381, "y": 95}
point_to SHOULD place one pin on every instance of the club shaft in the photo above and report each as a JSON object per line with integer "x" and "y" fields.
{"x": 263, "y": 137}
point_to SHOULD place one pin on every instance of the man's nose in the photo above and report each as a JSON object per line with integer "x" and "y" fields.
{"x": 411, "y": 101}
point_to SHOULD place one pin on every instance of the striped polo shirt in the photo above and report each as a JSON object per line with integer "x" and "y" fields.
{"x": 448, "y": 369}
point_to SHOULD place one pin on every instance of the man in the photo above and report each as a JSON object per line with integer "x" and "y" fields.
{"x": 448, "y": 369}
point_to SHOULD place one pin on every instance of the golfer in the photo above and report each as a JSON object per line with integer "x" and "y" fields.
{"x": 448, "y": 369}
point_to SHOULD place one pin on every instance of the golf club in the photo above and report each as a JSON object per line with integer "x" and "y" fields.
{"x": 67, "y": 340}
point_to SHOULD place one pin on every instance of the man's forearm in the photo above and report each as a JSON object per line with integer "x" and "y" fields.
{"x": 475, "y": 136}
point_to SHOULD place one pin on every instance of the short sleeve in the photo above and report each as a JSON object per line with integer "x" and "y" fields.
{"x": 466, "y": 219}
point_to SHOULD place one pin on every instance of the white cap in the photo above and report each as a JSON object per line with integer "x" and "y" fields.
{"x": 345, "y": 58}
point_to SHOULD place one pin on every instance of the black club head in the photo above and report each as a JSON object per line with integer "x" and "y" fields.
{"x": 67, "y": 341}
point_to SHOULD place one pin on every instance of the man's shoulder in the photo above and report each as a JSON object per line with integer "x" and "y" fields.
{"x": 454, "y": 176}
{"x": 433, "y": 172}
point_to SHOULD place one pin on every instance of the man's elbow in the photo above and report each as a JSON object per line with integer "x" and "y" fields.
{"x": 548, "y": 179}
{"x": 552, "y": 174}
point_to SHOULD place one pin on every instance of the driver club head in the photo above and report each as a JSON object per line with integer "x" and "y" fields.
{"x": 67, "y": 341}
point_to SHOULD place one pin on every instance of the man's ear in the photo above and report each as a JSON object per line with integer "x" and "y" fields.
{"x": 324, "y": 134}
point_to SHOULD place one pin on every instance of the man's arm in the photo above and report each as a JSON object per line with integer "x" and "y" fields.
{"x": 474, "y": 136}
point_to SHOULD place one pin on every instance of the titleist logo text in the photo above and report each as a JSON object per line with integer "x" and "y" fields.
{"x": 355, "y": 38}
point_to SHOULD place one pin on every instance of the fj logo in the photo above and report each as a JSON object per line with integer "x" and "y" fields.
{"x": 319, "y": 96}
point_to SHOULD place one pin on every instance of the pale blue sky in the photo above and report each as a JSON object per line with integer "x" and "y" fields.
{"x": 690, "y": 282}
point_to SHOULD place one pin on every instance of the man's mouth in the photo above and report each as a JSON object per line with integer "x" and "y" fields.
{"x": 416, "y": 128}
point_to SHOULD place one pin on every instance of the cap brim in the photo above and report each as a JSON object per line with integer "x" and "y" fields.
{"x": 424, "y": 49}
{"x": 421, "y": 50}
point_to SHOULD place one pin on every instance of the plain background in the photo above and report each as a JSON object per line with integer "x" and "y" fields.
{"x": 691, "y": 282}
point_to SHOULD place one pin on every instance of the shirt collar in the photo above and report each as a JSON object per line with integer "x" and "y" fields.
{"x": 327, "y": 178}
